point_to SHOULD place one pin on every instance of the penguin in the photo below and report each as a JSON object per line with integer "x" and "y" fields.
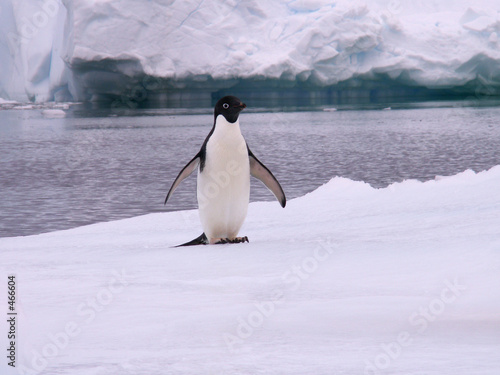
{"x": 225, "y": 164}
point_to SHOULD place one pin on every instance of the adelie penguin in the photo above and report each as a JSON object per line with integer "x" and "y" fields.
{"x": 224, "y": 165}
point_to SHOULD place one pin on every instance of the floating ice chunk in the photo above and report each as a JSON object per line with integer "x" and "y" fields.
{"x": 6, "y": 101}
{"x": 53, "y": 113}
{"x": 24, "y": 106}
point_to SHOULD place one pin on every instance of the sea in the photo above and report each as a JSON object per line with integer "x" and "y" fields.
{"x": 73, "y": 164}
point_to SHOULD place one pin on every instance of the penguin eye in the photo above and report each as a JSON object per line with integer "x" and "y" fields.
{"x": 225, "y": 106}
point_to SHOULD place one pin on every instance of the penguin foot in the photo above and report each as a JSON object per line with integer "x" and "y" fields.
{"x": 239, "y": 240}
{"x": 234, "y": 240}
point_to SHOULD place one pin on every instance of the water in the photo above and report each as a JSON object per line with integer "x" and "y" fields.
{"x": 58, "y": 173}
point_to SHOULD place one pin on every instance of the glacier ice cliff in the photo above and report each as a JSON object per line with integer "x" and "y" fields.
{"x": 163, "y": 50}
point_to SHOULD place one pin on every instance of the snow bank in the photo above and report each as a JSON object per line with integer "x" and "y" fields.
{"x": 109, "y": 47}
{"x": 347, "y": 279}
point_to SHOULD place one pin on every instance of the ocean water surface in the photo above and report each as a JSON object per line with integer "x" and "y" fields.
{"x": 100, "y": 165}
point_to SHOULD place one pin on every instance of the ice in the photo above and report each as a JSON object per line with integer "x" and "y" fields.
{"x": 5, "y": 102}
{"x": 88, "y": 50}
{"x": 30, "y": 46}
{"x": 53, "y": 113}
{"x": 347, "y": 279}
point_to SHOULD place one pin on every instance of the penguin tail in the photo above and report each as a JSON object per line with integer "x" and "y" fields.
{"x": 200, "y": 240}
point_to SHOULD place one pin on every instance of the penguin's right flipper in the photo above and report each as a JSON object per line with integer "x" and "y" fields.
{"x": 201, "y": 240}
{"x": 260, "y": 171}
{"x": 185, "y": 172}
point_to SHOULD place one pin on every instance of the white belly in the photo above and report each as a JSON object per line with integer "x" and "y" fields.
{"x": 224, "y": 184}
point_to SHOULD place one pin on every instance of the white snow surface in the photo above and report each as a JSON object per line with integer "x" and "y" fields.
{"x": 50, "y": 49}
{"x": 345, "y": 280}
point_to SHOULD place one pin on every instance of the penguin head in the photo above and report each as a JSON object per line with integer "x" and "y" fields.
{"x": 229, "y": 107}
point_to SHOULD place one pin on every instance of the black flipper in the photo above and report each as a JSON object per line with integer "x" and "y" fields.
{"x": 185, "y": 172}
{"x": 260, "y": 171}
{"x": 201, "y": 240}
{"x": 199, "y": 159}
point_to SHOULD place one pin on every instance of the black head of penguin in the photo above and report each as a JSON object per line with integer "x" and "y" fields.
{"x": 229, "y": 107}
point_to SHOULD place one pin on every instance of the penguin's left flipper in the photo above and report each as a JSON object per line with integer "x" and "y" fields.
{"x": 185, "y": 172}
{"x": 260, "y": 171}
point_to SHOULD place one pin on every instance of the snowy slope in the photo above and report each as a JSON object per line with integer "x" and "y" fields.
{"x": 345, "y": 280}
{"x": 82, "y": 49}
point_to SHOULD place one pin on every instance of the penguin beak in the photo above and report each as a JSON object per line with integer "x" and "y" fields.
{"x": 241, "y": 106}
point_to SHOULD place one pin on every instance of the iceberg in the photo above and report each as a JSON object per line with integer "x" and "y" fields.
{"x": 31, "y": 50}
{"x": 162, "y": 49}
{"x": 346, "y": 279}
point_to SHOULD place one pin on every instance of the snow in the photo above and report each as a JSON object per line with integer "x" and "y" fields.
{"x": 86, "y": 49}
{"x": 347, "y": 279}
{"x": 47, "y": 109}
{"x": 53, "y": 113}
{"x": 4, "y": 102}
{"x": 30, "y": 49}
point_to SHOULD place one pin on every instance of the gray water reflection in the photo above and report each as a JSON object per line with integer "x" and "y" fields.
{"x": 62, "y": 173}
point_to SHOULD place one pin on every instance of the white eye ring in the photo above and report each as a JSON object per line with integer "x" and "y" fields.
{"x": 225, "y": 106}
